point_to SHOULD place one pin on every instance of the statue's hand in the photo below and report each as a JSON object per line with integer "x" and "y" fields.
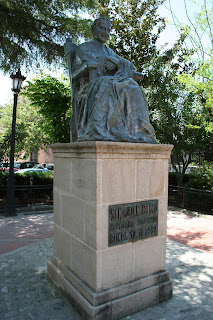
{"x": 109, "y": 65}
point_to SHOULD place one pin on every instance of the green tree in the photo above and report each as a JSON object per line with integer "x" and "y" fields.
{"x": 43, "y": 116}
{"x": 202, "y": 178}
{"x": 30, "y": 135}
{"x": 178, "y": 120}
{"x": 34, "y": 31}
{"x": 199, "y": 29}
{"x": 52, "y": 99}
{"x": 201, "y": 84}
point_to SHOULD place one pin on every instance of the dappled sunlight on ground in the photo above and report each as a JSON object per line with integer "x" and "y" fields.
{"x": 193, "y": 230}
{"x": 23, "y": 230}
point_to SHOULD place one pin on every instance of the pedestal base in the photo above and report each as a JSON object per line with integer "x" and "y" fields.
{"x": 110, "y": 212}
{"x": 114, "y": 303}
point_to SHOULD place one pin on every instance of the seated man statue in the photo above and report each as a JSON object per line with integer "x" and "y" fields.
{"x": 107, "y": 103}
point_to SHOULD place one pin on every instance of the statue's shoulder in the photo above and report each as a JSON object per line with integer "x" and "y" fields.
{"x": 110, "y": 50}
{"x": 86, "y": 45}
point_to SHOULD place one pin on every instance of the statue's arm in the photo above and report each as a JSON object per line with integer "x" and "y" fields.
{"x": 84, "y": 70}
{"x": 128, "y": 68}
{"x": 83, "y": 63}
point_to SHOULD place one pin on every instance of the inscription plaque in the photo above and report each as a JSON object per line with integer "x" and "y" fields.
{"x": 133, "y": 221}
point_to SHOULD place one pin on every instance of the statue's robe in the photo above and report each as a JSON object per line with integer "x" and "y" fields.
{"x": 106, "y": 105}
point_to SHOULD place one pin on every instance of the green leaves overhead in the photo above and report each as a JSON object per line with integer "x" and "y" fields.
{"x": 34, "y": 31}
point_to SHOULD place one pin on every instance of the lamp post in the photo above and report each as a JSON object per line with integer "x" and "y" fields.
{"x": 17, "y": 80}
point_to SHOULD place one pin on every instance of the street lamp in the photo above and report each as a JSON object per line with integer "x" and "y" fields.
{"x": 17, "y": 80}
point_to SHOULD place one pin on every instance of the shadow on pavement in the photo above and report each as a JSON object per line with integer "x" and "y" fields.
{"x": 187, "y": 237}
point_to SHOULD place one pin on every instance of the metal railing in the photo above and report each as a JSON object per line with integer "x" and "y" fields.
{"x": 181, "y": 197}
{"x": 190, "y": 198}
{"x": 28, "y": 195}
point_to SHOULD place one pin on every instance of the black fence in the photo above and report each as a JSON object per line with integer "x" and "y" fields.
{"x": 192, "y": 199}
{"x": 28, "y": 195}
{"x": 188, "y": 198}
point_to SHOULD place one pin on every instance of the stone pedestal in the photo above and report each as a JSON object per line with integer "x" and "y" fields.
{"x": 103, "y": 277}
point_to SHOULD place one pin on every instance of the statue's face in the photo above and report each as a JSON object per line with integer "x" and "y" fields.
{"x": 102, "y": 31}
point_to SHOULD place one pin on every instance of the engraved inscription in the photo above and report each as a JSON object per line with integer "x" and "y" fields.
{"x": 133, "y": 221}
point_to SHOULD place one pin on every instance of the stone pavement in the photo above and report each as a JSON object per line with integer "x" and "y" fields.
{"x": 26, "y": 293}
{"x": 191, "y": 228}
{"x": 20, "y": 231}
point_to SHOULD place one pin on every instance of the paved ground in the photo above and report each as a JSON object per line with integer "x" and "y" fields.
{"x": 26, "y": 293}
{"x": 20, "y": 231}
{"x": 190, "y": 228}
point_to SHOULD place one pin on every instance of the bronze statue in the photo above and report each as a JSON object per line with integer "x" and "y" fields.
{"x": 107, "y": 102}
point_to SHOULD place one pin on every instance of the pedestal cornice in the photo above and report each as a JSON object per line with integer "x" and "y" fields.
{"x": 101, "y": 149}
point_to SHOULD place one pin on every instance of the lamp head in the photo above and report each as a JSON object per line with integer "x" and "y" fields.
{"x": 17, "y": 81}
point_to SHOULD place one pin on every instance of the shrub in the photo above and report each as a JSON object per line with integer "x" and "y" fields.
{"x": 35, "y": 178}
{"x": 3, "y": 178}
{"x": 202, "y": 178}
{"x": 27, "y": 178}
{"x": 173, "y": 179}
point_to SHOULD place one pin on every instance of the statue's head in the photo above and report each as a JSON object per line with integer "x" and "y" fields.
{"x": 101, "y": 29}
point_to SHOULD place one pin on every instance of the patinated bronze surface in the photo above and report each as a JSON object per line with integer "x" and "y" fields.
{"x": 107, "y": 102}
{"x": 133, "y": 221}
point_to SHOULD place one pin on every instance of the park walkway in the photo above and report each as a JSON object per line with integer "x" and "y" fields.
{"x": 20, "y": 231}
{"x": 190, "y": 228}
{"x": 26, "y": 243}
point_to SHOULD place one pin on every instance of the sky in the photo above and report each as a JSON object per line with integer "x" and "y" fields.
{"x": 170, "y": 35}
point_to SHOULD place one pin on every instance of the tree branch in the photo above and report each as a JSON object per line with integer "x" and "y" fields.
{"x": 207, "y": 19}
{"x": 200, "y": 42}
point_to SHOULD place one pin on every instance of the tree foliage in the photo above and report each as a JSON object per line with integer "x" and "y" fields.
{"x": 202, "y": 178}
{"x": 201, "y": 84}
{"x": 52, "y": 98}
{"x": 136, "y": 29}
{"x": 29, "y": 129}
{"x": 178, "y": 120}
{"x": 34, "y": 31}
{"x": 199, "y": 29}
{"x": 43, "y": 115}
